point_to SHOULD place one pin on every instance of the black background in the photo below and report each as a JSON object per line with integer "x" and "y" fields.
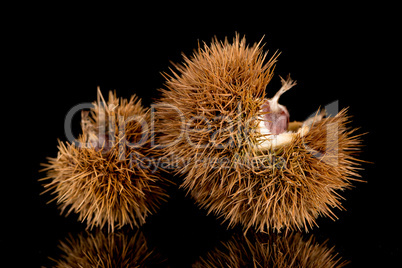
{"x": 58, "y": 57}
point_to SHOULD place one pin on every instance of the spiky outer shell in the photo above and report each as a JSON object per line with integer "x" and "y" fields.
{"x": 100, "y": 177}
{"x": 103, "y": 250}
{"x": 207, "y": 121}
{"x": 276, "y": 251}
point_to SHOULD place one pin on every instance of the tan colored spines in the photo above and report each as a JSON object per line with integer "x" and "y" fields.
{"x": 207, "y": 119}
{"x": 99, "y": 177}
{"x": 285, "y": 189}
{"x": 218, "y": 84}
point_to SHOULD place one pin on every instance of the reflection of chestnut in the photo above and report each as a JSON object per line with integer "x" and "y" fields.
{"x": 277, "y": 251}
{"x": 113, "y": 250}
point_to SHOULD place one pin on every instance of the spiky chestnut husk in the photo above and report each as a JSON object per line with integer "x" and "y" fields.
{"x": 277, "y": 251}
{"x": 99, "y": 249}
{"x": 100, "y": 177}
{"x": 212, "y": 118}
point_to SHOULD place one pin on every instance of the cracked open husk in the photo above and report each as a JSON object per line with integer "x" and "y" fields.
{"x": 237, "y": 164}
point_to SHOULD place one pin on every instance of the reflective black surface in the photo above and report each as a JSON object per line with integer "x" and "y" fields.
{"x": 331, "y": 55}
